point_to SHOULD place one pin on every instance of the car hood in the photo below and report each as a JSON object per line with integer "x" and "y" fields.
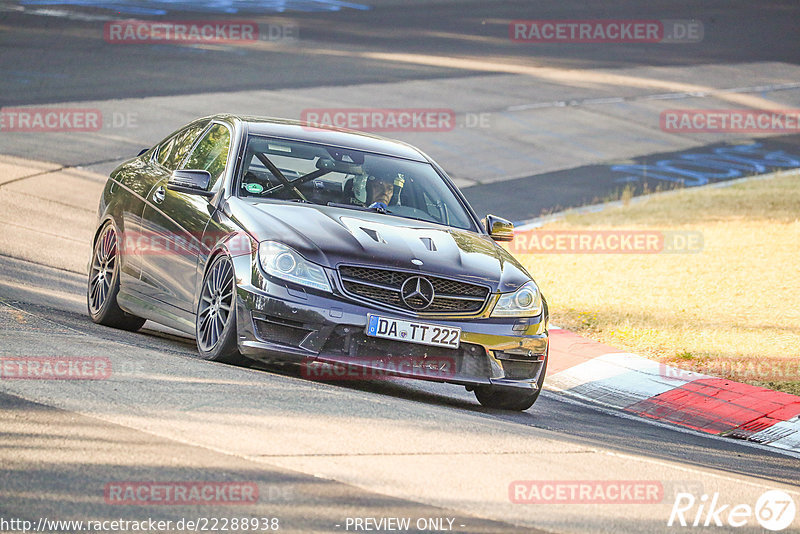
{"x": 332, "y": 236}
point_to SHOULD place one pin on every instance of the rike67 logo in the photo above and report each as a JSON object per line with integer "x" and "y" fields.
{"x": 774, "y": 510}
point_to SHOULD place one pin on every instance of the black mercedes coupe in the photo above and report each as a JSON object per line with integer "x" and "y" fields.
{"x": 275, "y": 240}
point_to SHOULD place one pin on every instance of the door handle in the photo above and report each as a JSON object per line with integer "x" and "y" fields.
{"x": 159, "y": 195}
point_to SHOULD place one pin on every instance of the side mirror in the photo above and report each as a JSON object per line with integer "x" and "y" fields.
{"x": 499, "y": 229}
{"x": 193, "y": 182}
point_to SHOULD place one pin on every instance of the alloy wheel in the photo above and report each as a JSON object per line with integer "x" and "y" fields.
{"x": 101, "y": 275}
{"x": 216, "y": 302}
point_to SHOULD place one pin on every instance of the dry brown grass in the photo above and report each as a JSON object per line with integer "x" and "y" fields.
{"x": 735, "y": 303}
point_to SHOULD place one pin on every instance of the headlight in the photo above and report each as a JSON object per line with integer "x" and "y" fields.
{"x": 282, "y": 262}
{"x": 524, "y": 302}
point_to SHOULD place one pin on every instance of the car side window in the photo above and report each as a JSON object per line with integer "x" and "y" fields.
{"x": 211, "y": 153}
{"x": 172, "y": 151}
{"x": 164, "y": 149}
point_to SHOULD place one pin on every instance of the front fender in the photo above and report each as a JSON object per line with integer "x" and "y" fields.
{"x": 242, "y": 250}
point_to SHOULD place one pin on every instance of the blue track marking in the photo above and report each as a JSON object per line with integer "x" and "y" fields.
{"x": 162, "y": 7}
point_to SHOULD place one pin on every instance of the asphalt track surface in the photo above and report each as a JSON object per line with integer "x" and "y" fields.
{"x": 323, "y": 452}
{"x": 525, "y": 112}
{"x": 82, "y": 68}
{"x": 158, "y": 418}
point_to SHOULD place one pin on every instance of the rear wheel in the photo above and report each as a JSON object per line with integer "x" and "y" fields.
{"x": 216, "y": 315}
{"x": 101, "y": 294}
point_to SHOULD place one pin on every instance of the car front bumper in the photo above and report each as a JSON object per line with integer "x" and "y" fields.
{"x": 284, "y": 322}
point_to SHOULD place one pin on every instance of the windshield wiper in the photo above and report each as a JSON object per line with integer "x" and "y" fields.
{"x": 364, "y": 208}
{"x": 376, "y": 209}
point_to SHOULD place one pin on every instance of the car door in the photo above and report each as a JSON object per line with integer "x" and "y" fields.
{"x": 129, "y": 185}
{"x": 140, "y": 178}
{"x": 176, "y": 222}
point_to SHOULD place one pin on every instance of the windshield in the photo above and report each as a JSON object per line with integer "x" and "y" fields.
{"x": 306, "y": 172}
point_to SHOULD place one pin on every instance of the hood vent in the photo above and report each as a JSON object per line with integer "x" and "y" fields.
{"x": 373, "y": 234}
{"x": 429, "y": 244}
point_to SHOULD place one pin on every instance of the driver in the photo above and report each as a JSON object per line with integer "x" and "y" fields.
{"x": 381, "y": 187}
{"x": 380, "y": 190}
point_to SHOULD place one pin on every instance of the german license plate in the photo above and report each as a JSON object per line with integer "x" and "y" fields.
{"x": 413, "y": 331}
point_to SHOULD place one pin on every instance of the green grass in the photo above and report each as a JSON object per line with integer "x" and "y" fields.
{"x": 736, "y": 301}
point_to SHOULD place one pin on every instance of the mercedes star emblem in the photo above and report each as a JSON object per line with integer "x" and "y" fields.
{"x": 417, "y": 292}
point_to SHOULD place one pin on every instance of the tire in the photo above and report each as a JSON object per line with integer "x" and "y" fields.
{"x": 510, "y": 398}
{"x": 215, "y": 322}
{"x": 103, "y": 287}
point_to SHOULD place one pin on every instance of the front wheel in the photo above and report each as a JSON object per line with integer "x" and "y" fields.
{"x": 216, "y": 315}
{"x": 510, "y": 398}
{"x": 103, "y": 288}
{"x": 506, "y": 398}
